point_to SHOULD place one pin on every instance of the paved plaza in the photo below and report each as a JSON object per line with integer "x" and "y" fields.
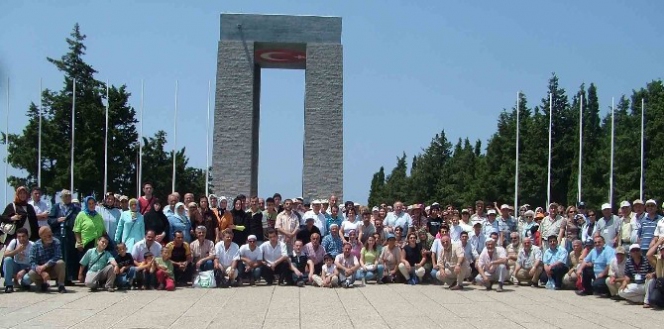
{"x": 386, "y": 306}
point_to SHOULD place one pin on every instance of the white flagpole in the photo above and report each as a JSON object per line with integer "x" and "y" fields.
{"x": 108, "y": 103}
{"x": 39, "y": 164}
{"x": 207, "y": 143}
{"x": 140, "y": 145}
{"x": 175, "y": 134}
{"x": 613, "y": 126}
{"x": 516, "y": 175}
{"x": 643, "y": 120}
{"x": 7, "y": 144}
{"x": 73, "y": 126}
{"x": 580, "y": 174}
{"x": 548, "y": 184}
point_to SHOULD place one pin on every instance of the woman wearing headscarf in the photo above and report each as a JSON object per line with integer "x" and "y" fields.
{"x": 131, "y": 227}
{"x": 88, "y": 226}
{"x": 20, "y": 214}
{"x": 156, "y": 221}
{"x": 179, "y": 222}
{"x": 240, "y": 222}
{"x": 109, "y": 213}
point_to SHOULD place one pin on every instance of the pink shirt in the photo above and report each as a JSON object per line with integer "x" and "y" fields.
{"x": 316, "y": 256}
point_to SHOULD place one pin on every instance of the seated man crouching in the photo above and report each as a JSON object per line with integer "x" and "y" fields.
{"x": 528, "y": 266}
{"x": 100, "y": 266}
{"x": 491, "y": 266}
{"x": 46, "y": 261}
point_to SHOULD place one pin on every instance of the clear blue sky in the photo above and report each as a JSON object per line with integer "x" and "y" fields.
{"x": 411, "y": 68}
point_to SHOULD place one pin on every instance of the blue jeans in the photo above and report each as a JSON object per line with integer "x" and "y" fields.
{"x": 208, "y": 265}
{"x": 10, "y": 268}
{"x": 376, "y": 274}
{"x": 125, "y": 279}
{"x": 434, "y": 273}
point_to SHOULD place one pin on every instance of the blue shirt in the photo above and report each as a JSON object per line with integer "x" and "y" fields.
{"x": 329, "y": 221}
{"x": 554, "y": 256}
{"x": 403, "y": 220}
{"x": 600, "y": 259}
{"x": 333, "y": 245}
{"x": 180, "y": 223}
{"x": 41, "y": 254}
{"x": 647, "y": 230}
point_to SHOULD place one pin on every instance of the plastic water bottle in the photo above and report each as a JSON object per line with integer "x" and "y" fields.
{"x": 550, "y": 284}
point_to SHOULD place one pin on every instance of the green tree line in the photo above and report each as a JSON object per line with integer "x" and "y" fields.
{"x": 461, "y": 173}
{"x": 123, "y": 143}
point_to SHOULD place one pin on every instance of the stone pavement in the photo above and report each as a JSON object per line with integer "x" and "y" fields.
{"x": 386, "y": 306}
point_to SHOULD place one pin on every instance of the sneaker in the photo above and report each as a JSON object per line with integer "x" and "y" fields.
{"x": 582, "y": 293}
{"x": 350, "y": 285}
{"x": 345, "y": 285}
{"x": 110, "y": 289}
{"x": 9, "y": 289}
{"x": 61, "y": 289}
{"x": 456, "y": 287}
{"x": 44, "y": 287}
{"x": 500, "y": 287}
{"x": 488, "y": 285}
{"x": 411, "y": 281}
{"x": 300, "y": 283}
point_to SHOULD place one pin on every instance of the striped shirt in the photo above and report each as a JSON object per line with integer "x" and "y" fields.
{"x": 647, "y": 230}
{"x": 201, "y": 250}
{"x": 637, "y": 273}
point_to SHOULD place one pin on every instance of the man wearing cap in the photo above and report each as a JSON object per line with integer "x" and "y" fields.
{"x": 526, "y": 224}
{"x": 617, "y": 272}
{"x": 638, "y": 274}
{"x": 318, "y": 217}
{"x": 609, "y": 226}
{"x": 595, "y": 268}
{"x": 628, "y": 224}
{"x": 492, "y": 266}
{"x": 249, "y": 260}
{"x": 492, "y": 225}
{"x": 647, "y": 226}
{"x": 399, "y": 218}
{"x": 506, "y": 219}
{"x": 305, "y": 233}
{"x": 638, "y": 210}
{"x": 550, "y": 224}
{"x": 124, "y": 203}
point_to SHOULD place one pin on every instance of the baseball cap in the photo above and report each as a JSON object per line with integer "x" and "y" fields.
{"x": 504, "y": 206}
{"x": 625, "y": 204}
{"x": 581, "y": 205}
{"x": 124, "y": 198}
{"x": 251, "y": 237}
{"x": 465, "y": 211}
{"x": 316, "y": 201}
{"x": 491, "y": 212}
{"x": 391, "y": 236}
{"x": 589, "y": 243}
{"x": 375, "y": 208}
{"x": 637, "y": 201}
{"x": 606, "y": 206}
{"x": 620, "y": 250}
{"x": 634, "y": 246}
{"x": 652, "y": 202}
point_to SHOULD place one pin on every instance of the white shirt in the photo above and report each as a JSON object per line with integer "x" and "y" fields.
{"x": 319, "y": 220}
{"x": 253, "y": 255}
{"x": 141, "y": 247}
{"x": 40, "y": 208}
{"x": 436, "y": 248}
{"x": 659, "y": 230}
{"x": 455, "y": 233}
{"x": 272, "y": 254}
{"x": 226, "y": 256}
{"x": 346, "y": 262}
{"x": 348, "y": 226}
{"x": 22, "y": 257}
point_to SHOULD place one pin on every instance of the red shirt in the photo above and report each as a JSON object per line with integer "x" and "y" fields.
{"x": 145, "y": 204}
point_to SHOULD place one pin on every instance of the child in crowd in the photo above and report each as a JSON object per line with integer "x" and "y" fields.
{"x": 147, "y": 277}
{"x": 125, "y": 272}
{"x": 330, "y": 274}
{"x": 163, "y": 268}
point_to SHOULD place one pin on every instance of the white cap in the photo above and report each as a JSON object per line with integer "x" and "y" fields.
{"x": 634, "y": 246}
{"x": 491, "y": 212}
{"x": 638, "y": 201}
{"x": 325, "y": 201}
{"x": 606, "y": 206}
{"x": 489, "y": 240}
{"x": 356, "y": 204}
{"x": 427, "y": 208}
{"x": 625, "y": 204}
{"x": 651, "y": 201}
{"x": 298, "y": 199}
{"x": 316, "y": 201}
{"x": 252, "y": 237}
{"x": 375, "y": 208}
{"x": 504, "y": 206}
{"x": 435, "y": 204}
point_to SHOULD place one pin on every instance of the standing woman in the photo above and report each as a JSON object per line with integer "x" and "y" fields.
{"x": 88, "y": 226}
{"x": 179, "y": 222}
{"x": 131, "y": 227}
{"x": 109, "y": 213}
{"x": 351, "y": 223}
{"x": 240, "y": 223}
{"x": 21, "y": 214}
{"x": 156, "y": 221}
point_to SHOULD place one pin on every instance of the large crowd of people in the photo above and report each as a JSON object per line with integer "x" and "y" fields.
{"x": 144, "y": 243}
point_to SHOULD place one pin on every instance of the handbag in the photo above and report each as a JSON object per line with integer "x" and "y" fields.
{"x": 92, "y": 275}
{"x": 205, "y": 279}
{"x": 9, "y": 228}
